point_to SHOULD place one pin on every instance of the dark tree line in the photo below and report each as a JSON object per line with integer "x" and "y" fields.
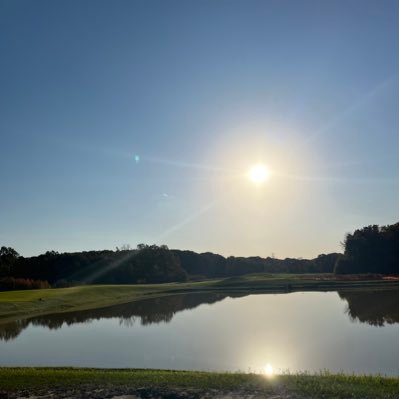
{"x": 211, "y": 265}
{"x": 372, "y": 249}
{"x": 145, "y": 264}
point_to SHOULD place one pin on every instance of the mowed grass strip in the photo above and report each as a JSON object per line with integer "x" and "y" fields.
{"x": 323, "y": 385}
{"x": 19, "y": 304}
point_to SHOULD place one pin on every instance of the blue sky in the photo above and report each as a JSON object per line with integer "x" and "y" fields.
{"x": 135, "y": 121}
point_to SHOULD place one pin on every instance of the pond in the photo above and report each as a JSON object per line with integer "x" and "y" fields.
{"x": 350, "y": 331}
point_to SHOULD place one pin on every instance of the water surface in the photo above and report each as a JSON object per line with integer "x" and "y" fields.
{"x": 352, "y": 331}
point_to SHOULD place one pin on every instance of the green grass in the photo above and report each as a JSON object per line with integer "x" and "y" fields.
{"x": 22, "y": 304}
{"x": 323, "y": 385}
{"x": 341, "y": 386}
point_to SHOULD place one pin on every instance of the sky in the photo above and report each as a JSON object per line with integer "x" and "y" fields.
{"x": 126, "y": 122}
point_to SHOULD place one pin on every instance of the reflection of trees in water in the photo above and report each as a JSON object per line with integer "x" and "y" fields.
{"x": 148, "y": 311}
{"x": 376, "y": 308}
{"x": 11, "y": 330}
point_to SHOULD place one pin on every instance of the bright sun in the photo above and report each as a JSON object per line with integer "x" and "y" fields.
{"x": 258, "y": 173}
{"x": 268, "y": 370}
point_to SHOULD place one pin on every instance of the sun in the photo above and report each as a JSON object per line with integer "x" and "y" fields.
{"x": 258, "y": 173}
{"x": 268, "y": 370}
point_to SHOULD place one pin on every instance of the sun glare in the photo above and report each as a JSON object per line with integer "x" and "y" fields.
{"x": 268, "y": 370}
{"x": 258, "y": 174}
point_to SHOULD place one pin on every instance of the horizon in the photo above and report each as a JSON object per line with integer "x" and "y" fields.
{"x": 134, "y": 248}
{"x": 225, "y": 127}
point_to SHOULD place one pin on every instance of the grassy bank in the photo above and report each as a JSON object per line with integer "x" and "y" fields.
{"x": 309, "y": 386}
{"x": 22, "y": 304}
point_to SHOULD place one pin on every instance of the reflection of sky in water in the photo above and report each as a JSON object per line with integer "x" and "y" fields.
{"x": 298, "y": 331}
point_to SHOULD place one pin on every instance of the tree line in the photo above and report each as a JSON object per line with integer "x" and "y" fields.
{"x": 144, "y": 264}
{"x": 372, "y": 249}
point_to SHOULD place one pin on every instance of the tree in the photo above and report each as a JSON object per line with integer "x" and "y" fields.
{"x": 372, "y": 249}
{"x": 8, "y": 258}
{"x": 157, "y": 264}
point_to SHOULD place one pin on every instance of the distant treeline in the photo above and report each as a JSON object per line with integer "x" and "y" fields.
{"x": 145, "y": 264}
{"x": 12, "y": 283}
{"x": 372, "y": 249}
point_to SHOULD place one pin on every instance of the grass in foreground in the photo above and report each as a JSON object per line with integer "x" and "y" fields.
{"x": 323, "y": 385}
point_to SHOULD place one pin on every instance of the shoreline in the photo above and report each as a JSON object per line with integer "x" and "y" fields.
{"x": 20, "y": 305}
{"x": 147, "y": 383}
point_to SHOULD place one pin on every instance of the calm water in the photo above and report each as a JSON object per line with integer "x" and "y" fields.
{"x": 339, "y": 331}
